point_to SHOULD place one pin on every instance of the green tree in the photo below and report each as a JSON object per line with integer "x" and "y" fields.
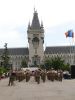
{"x": 66, "y": 67}
{"x": 2, "y": 70}
{"x": 5, "y": 57}
{"x": 57, "y": 63}
{"x": 24, "y": 63}
{"x": 47, "y": 64}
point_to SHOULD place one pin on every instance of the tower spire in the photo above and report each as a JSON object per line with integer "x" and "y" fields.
{"x": 34, "y": 9}
{"x": 35, "y": 22}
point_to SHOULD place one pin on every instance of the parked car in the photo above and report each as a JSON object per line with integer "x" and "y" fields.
{"x": 66, "y": 75}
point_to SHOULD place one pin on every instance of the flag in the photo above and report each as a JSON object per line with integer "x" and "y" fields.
{"x": 69, "y": 33}
{"x": 66, "y": 34}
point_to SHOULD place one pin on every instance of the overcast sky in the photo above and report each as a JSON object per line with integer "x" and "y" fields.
{"x": 58, "y": 16}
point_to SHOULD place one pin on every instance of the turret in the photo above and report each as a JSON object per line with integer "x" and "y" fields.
{"x": 35, "y": 39}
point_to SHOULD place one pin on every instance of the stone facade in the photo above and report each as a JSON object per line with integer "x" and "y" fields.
{"x": 67, "y": 53}
{"x": 35, "y": 34}
{"x": 16, "y": 56}
{"x": 35, "y": 54}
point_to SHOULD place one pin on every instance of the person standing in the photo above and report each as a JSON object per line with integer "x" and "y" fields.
{"x": 43, "y": 75}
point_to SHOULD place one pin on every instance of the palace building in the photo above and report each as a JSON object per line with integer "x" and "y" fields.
{"x": 35, "y": 54}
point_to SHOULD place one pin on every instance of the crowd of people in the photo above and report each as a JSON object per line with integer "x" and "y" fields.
{"x": 39, "y": 74}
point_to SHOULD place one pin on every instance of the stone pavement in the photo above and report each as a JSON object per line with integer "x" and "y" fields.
{"x": 64, "y": 90}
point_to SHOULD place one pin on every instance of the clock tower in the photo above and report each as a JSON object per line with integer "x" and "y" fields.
{"x": 35, "y": 34}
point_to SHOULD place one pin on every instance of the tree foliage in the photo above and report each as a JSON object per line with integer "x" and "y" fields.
{"x": 23, "y": 63}
{"x": 2, "y": 70}
{"x": 66, "y": 67}
{"x": 56, "y": 63}
{"x": 5, "y": 57}
{"x": 47, "y": 63}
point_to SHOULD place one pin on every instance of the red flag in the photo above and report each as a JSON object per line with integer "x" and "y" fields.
{"x": 66, "y": 34}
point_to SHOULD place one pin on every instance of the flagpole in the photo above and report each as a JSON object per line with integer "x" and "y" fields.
{"x": 74, "y": 50}
{"x": 69, "y": 34}
{"x": 70, "y": 51}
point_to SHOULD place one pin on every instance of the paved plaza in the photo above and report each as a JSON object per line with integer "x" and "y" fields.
{"x": 56, "y": 90}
